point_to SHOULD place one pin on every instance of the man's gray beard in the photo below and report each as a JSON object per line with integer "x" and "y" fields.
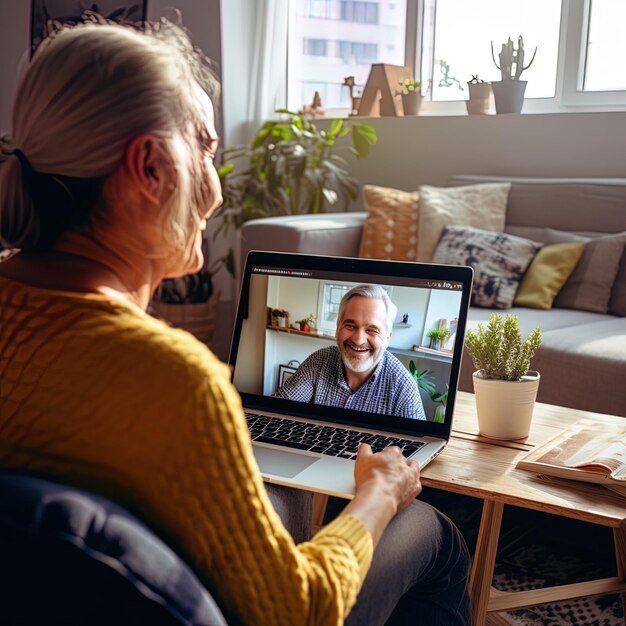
{"x": 370, "y": 363}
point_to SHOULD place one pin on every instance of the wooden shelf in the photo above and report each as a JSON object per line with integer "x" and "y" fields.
{"x": 295, "y": 331}
{"x": 431, "y": 355}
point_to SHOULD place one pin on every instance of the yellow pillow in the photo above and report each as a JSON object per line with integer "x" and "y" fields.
{"x": 547, "y": 273}
{"x": 390, "y": 229}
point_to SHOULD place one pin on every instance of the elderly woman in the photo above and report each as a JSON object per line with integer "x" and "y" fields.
{"x": 105, "y": 188}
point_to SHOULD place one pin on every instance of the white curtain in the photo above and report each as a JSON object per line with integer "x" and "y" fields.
{"x": 269, "y": 61}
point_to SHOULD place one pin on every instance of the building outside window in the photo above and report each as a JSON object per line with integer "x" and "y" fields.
{"x": 356, "y": 33}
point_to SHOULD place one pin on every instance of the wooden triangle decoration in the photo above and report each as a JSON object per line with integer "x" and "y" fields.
{"x": 381, "y": 94}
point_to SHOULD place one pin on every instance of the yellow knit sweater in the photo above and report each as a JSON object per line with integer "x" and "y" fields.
{"x": 97, "y": 393}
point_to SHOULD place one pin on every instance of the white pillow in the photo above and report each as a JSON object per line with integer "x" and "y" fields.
{"x": 481, "y": 206}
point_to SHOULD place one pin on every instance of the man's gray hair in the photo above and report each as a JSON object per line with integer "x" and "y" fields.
{"x": 370, "y": 291}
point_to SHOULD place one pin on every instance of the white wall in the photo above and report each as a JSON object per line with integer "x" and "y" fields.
{"x": 427, "y": 150}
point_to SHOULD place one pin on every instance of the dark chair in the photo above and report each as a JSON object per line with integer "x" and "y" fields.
{"x": 70, "y": 558}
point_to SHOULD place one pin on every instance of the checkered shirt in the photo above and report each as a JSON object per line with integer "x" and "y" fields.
{"x": 390, "y": 390}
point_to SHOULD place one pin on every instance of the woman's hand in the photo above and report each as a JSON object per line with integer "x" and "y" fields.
{"x": 386, "y": 482}
{"x": 389, "y": 472}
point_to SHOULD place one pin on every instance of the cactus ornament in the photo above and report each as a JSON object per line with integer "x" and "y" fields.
{"x": 512, "y": 59}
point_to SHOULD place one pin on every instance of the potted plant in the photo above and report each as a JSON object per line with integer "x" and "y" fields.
{"x": 291, "y": 167}
{"x": 479, "y": 95}
{"x": 441, "y": 399}
{"x": 306, "y": 322}
{"x": 437, "y": 336}
{"x": 411, "y": 92}
{"x": 505, "y": 387}
{"x": 424, "y": 381}
{"x": 509, "y": 92}
{"x": 279, "y": 317}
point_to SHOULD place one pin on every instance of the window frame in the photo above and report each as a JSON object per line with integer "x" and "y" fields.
{"x": 569, "y": 95}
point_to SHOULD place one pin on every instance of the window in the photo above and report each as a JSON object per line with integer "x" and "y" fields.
{"x": 328, "y": 305}
{"x": 463, "y": 33}
{"x": 363, "y": 12}
{"x": 354, "y": 51}
{"x": 314, "y": 47}
{"x": 326, "y": 9}
{"x": 579, "y": 43}
{"x": 605, "y": 46}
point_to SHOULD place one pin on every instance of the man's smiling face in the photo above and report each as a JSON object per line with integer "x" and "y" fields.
{"x": 362, "y": 334}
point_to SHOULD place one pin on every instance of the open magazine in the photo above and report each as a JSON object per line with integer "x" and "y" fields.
{"x": 583, "y": 452}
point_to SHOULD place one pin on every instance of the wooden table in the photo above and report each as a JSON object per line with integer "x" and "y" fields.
{"x": 485, "y": 468}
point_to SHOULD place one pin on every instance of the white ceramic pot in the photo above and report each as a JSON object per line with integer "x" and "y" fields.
{"x": 479, "y": 98}
{"x": 505, "y": 408}
{"x": 411, "y": 103}
{"x": 509, "y": 95}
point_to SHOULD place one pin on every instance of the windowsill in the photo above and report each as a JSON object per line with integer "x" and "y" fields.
{"x": 535, "y": 106}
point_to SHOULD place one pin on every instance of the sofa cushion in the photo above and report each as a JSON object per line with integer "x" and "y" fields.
{"x": 499, "y": 261}
{"x": 390, "y": 230}
{"x": 589, "y": 286}
{"x": 617, "y": 303}
{"x": 481, "y": 206}
{"x": 547, "y": 273}
{"x": 582, "y": 367}
{"x": 594, "y": 205}
{"x": 546, "y": 319}
{"x": 335, "y": 234}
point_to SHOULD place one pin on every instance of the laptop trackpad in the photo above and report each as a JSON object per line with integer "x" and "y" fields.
{"x": 280, "y": 462}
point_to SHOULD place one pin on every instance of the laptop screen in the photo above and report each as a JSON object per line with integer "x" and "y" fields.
{"x": 293, "y": 340}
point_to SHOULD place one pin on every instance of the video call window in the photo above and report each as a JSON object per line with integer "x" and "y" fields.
{"x": 268, "y": 351}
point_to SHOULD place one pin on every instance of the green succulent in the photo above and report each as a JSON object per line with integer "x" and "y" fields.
{"x": 498, "y": 351}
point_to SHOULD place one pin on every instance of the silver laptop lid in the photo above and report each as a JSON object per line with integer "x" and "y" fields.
{"x": 267, "y": 347}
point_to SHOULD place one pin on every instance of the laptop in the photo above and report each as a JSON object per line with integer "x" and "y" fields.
{"x": 312, "y": 445}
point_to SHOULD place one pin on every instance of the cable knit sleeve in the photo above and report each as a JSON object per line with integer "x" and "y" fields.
{"x": 261, "y": 574}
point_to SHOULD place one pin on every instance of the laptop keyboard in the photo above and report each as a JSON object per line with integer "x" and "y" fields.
{"x": 330, "y": 440}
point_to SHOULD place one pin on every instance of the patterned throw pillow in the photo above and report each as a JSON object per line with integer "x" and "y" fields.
{"x": 499, "y": 261}
{"x": 480, "y": 206}
{"x": 390, "y": 229}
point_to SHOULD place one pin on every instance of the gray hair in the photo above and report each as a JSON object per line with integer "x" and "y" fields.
{"x": 88, "y": 91}
{"x": 370, "y": 291}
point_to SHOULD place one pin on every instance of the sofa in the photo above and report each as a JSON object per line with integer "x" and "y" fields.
{"x": 582, "y": 359}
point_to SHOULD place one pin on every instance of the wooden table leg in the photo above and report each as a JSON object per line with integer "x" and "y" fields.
{"x": 320, "y": 500}
{"x": 619, "y": 536}
{"x": 484, "y": 560}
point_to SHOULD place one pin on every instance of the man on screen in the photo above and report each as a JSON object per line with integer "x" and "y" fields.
{"x": 358, "y": 373}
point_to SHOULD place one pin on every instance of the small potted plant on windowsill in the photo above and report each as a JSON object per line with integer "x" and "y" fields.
{"x": 411, "y": 93}
{"x": 505, "y": 387}
{"x": 479, "y": 95}
{"x": 509, "y": 92}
